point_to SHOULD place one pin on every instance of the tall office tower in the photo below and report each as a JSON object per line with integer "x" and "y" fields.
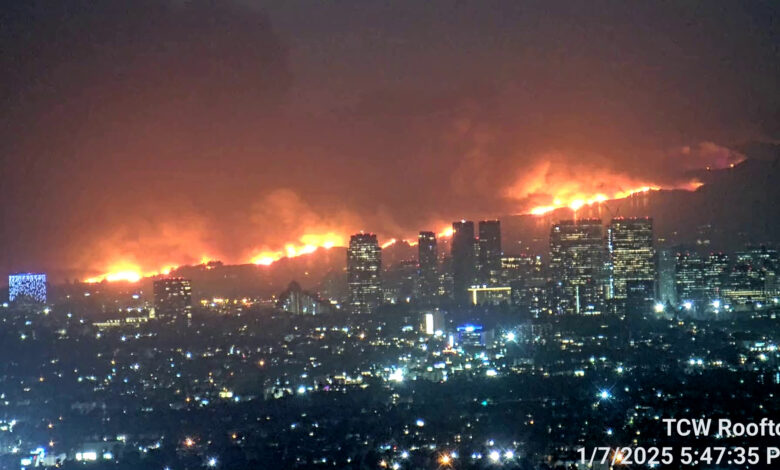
{"x": 716, "y": 271}
{"x": 173, "y": 299}
{"x": 27, "y": 286}
{"x": 364, "y": 265}
{"x": 640, "y": 296}
{"x": 689, "y": 277}
{"x": 667, "y": 263}
{"x": 631, "y": 251}
{"x": 463, "y": 260}
{"x": 754, "y": 275}
{"x": 427, "y": 272}
{"x": 578, "y": 266}
{"x": 526, "y": 275}
{"x": 490, "y": 252}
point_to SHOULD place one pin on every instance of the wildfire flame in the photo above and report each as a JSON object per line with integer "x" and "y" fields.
{"x": 556, "y": 193}
{"x": 128, "y": 272}
{"x": 308, "y": 243}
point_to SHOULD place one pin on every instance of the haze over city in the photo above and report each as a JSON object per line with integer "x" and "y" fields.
{"x": 143, "y": 135}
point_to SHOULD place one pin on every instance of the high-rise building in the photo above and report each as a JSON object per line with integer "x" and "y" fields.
{"x": 667, "y": 261}
{"x": 427, "y": 272}
{"x": 490, "y": 252}
{"x": 526, "y": 275}
{"x": 463, "y": 260}
{"x": 640, "y": 296}
{"x": 173, "y": 299}
{"x": 716, "y": 271}
{"x": 689, "y": 277}
{"x": 632, "y": 255}
{"x": 364, "y": 265}
{"x": 578, "y": 266}
{"x": 28, "y": 286}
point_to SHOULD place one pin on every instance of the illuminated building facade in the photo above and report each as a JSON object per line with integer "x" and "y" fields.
{"x": 632, "y": 255}
{"x": 30, "y": 286}
{"x": 173, "y": 299}
{"x": 463, "y": 260}
{"x": 427, "y": 272}
{"x": 433, "y": 322}
{"x": 364, "y": 265}
{"x": 525, "y": 274}
{"x": 490, "y": 295}
{"x": 578, "y": 266}
{"x": 715, "y": 276}
{"x": 689, "y": 277}
{"x": 489, "y": 252}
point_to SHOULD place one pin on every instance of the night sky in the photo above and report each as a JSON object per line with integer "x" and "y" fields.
{"x": 157, "y": 132}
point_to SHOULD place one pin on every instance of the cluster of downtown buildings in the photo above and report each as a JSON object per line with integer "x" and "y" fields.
{"x": 591, "y": 268}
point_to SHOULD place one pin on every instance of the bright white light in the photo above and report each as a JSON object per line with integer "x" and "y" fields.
{"x": 397, "y": 375}
{"x": 509, "y": 455}
{"x": 510, "y": 336}
{"x": 212, "y": 462}
{"x": 491, "y": 373}
{"x": 420, "y": 423}
{"x": 301, "y": 390}
{"x": 494, "y": 455}
{"x": 659, "y": 307}
{"x": 716, "y": 304}
{"x": 605, "y": 395}
{"x": 688, "y": 305}
{"x": 404, "y": 455}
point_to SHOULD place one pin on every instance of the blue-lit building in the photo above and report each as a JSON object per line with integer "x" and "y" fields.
{"x": 31, "y": 286}
{"x": 473, "y": 335}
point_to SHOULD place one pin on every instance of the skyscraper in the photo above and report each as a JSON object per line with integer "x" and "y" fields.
{"x": 577, "y": 264}
{"x": 463, "y": 260}
{"x": 716, "y": 272}
{"x": 364, "y": 264}
{"x": 30, "y": 286}
{"x": 667, "y": 261}
{"x": 631, "y": 252}
{"x": 173, "y": 299}
{"x": 490, "y": 252}
{"x": 427, "y": 275}
{"x": 689, "y": 277}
